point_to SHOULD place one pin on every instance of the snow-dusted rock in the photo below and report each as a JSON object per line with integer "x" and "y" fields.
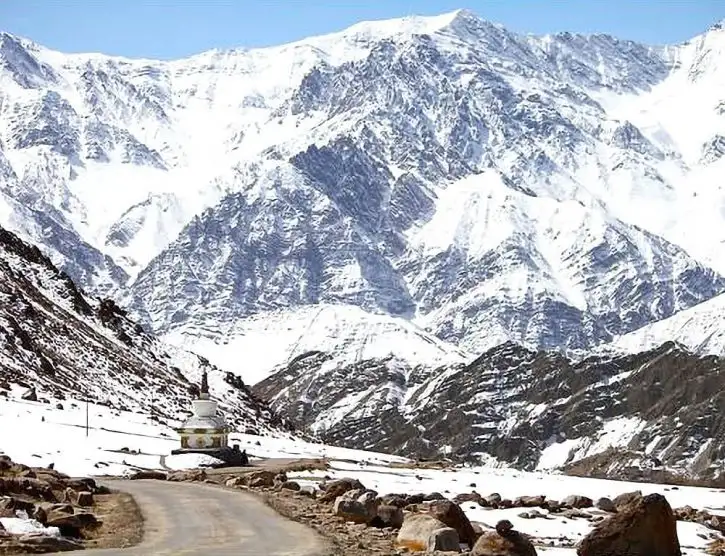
{"x": 613, "y": 415}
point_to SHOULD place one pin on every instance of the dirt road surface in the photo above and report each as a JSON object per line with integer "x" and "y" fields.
{"x": 192, "y": 519}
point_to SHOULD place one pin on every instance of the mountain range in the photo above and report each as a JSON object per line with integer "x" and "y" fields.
{"x": 395, "y": 199}
{"x": 659, "y": 409}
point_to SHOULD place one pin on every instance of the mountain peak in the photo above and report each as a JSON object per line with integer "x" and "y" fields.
{"x": 718, "y": 26}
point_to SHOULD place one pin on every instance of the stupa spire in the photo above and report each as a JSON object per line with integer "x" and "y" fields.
{"x": 204, "y": 383}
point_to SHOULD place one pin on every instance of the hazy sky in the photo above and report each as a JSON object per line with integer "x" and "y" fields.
{"x": 171, "y": 29}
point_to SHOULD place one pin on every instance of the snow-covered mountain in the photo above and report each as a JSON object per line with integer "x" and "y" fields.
{"x": 513, "y": 406}
{"x": 701, "y": 329}
{"x": 257, "y": 346}
{"x": 557, "y": 191}
{"x": 56, "y": 343}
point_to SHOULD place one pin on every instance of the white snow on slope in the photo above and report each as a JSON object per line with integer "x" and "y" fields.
{"x": 219, "y": 109}
{"x": 700, "y": 328}
{"x": 255, "y": 346}
{"x": 118, "y": 442}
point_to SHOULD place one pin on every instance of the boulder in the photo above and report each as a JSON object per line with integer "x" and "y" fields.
{"x": 504, "y": 541}
{"x": 606, "y": 505}
{"x": 369, "y": 499}
{"x": 493, "y": 499}
{"x": 397, "y": 500}
{"x": 644, "y": 527}
{"x": 143, "y": 474}
{"x": 5, "y": 463}
{"x": 357, "y": 506}
{"x": 685, "y": 513}
{"x": 81, "y": 484}
{"x": 577, "y": 501}
{"x": 554, "y": 506}
{"x": 84, "y": 499}
{"x": 31, "y": 395}
{"x": 308, "y": 491}
{"x": 72, "y": 525}
{"x": 470, "y": 497}
{"x": 626, "y": 498}
{"x": 416, "y": 530}
{"x": 444, "y": 540}
{"x": 290, "y": 485}
{"x": 334, "y": 489}
{"x": 352, "y": 510}
{"x": 188, "y": 476}
{"x": 573, "y": 513}
{"x": 453, "y": 516}
{"x": 388, "y": 516}
{"x": 529, "y": 501}
{"x": 40, "y": 515}
{"x": 260, "y": 479}
{"x": 68, "y": 495}
{"x": 233, "y": 482}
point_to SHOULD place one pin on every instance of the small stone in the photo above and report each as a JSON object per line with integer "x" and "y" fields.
{"x": 84, "y": 499}
{"x": 577, "y": 501}
{"x": 606, "y": 505}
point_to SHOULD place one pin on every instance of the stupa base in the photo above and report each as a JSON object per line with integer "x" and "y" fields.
{"x": 230, "y": 456}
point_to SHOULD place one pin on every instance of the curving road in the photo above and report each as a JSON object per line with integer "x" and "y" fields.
{"x": 193, "y": 519}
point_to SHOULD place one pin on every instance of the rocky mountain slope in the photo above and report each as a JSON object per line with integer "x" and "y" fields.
{"x": 485, "y": 185}
{"x": 56, "y": 344}
{"x": 700, "y": 328}
{"x": 519, "y": 407}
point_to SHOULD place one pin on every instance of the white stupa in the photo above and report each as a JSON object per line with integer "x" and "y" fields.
{"x": 204, "y": 430}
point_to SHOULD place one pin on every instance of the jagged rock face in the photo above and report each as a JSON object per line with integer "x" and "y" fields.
{"x": 61, "y": 343}
{"x": 486, "y": 185}
{"x": 287, "y": 246}
{"x": 516, "y": 405}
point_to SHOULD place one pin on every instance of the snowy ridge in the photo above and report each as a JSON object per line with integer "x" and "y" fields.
{"x": 427, "y": 168}
{"x": 346, "y": 331}
{"x": 700, "y": 328}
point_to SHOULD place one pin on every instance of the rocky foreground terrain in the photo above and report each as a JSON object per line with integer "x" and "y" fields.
{"x": 359, "y": 522}
{"x": 46, "y": 511}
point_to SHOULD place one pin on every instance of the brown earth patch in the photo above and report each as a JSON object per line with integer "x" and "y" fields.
{"x": 122, "y": 522}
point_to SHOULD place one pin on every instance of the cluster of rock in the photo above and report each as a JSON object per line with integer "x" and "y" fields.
{"x": 627, "y": 525}
{"x": 633, "y": 525}
{"x": 50, "y": 498}
{"x": 424, "y": 523}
